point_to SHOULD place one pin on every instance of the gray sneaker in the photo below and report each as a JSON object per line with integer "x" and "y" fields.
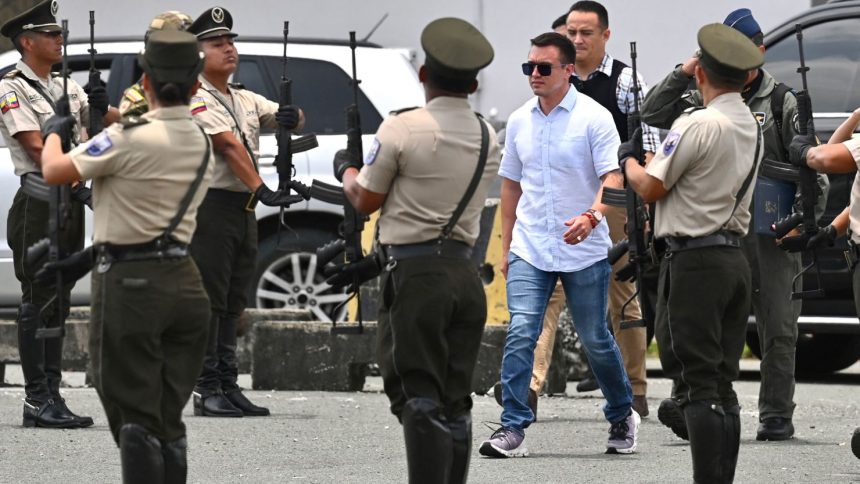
{"x": 622, "y": 435}
{"x": 505, "y": 442}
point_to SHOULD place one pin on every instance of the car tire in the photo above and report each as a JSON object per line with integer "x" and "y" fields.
{"x": 818, "y": 353}
{"x": 277, "y": 286}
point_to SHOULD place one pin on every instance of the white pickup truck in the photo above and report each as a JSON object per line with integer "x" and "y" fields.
{"x": 287, "y": 274}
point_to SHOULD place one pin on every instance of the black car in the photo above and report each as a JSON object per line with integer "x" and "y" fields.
{"x": 829, "y": 329}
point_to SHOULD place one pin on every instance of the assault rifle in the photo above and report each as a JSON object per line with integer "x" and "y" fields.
{"x": 95, "y": 80}
{"x": 637, "y": 216}
{"x": 287, "y": 146}
{"x": 807, "y": 179}
{"x": 59, "y": 210}
{"x": 355, "y": 267}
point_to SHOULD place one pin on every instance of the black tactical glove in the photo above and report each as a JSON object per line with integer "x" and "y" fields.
{"x": 61, "y": 125}
{"x": 825, "y": 237}
{"x": 72, "y": 268}
{"x": 287, "y": 117}
{"x": 97, "y": 97}
{"x": 273, "y": 199}
{"x": 630, "y": 148}
{"x": 357, "y": 273}
{"x": 794, "y": 243}
{"x": 81, "y": 193}
{"x": 800, "y": 145}
{"x": 344, "y": 159}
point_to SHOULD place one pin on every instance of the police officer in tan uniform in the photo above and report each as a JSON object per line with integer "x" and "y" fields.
{"x": 133, "y": 102}
{"x": 700, "y": 180}
{"x": 150, "y": 312}
{"x": 225, "y": 244}
{"x": 432, "y": 306}
{"x": 28, "y": 97}
{"x": 840, "y": 155}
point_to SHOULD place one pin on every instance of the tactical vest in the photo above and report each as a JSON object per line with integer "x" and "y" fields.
{"x": 603, "y": 90}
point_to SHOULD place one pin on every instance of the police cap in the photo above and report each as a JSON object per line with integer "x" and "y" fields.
{"x": 171, "y": 19}
{"x": 171, "y": 56}
{"x": 215, "y": 22}
{"x": 455, "y": 49}
{"x": 743, "y": 21}
{"x": 727, "y": 52}
{"x": 40, "y": 18}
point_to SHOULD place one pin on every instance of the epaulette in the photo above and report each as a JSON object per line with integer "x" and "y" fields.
{"x": 692, "y": 109}
{"x": 236, "y": 85}
{"x": 132, "y": 121}
{"x": 401, "y": 111}
{"x": 12, "y": 74}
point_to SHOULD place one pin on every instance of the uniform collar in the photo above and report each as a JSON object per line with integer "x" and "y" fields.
{"x": 449, "y": 102}
{"x": 725, "y": 99}
{"x": 27, "y": 71}
{"x": 768, "y": 83}
{"x": 209, "y": 87}
{"x": 173, "y": 112}
{"x": 605, "y": 67}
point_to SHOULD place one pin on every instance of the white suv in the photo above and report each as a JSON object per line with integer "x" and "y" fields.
{"x": 287, "y": 274}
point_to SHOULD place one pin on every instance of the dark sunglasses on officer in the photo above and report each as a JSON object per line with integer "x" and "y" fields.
{"x": 543, "y": 68}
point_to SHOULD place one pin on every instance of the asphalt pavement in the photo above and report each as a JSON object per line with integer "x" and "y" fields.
{"x": 318, "y": 437}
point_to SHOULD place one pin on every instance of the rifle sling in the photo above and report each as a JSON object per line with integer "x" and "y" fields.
{"x": 35, "y": 85}
{"x": 748, "y": 180}
{"x": 473, "y": 184}
{"x": 220, "y": 99}
{"x": 186, "y": 199}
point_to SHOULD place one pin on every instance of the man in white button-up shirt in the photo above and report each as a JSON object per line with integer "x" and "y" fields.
{"x": 560, "y": 150}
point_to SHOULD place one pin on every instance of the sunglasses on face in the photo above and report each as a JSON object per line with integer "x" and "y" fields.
{"x": 543, "y": 69}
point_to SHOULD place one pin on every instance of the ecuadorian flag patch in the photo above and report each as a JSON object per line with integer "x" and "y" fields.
{"x": 9, "y": 101}
{"x": 198, "y": 105}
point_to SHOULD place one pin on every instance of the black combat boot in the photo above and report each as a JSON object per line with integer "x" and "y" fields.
{"x": 461, "y": 435}
{"x": 428, "y": 442}
{"x": 48, "y": 415}
{"x": 709, "y": 442}
{"x": 60, "y": 402}
{"x": 732, "y": 432}
{"x": 240, "y": 401}
{"x": 775, "y": 428}
{"x": 141, "y": 457}
{"x": 214, "y": 404}
{"x": 175, "y": 460}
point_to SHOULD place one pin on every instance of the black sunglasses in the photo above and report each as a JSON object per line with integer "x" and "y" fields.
{"x": 543, "y": 69}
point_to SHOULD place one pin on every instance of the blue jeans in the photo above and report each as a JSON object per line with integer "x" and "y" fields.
{"x": 529, "y": 290}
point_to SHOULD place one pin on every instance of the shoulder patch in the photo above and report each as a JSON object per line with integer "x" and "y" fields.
{"x": 404, "y": 110}
{"x": 671, "y": 142}
{"x": 373, "y": 152}
{"x": 9, "y": 101}
{"x": 12, "y": 74}
{"x": 99, "y": 144}
{"x": 132, "y": 121}
{"x": 197, "y": 105}
{"x": 133, "y": 94}
{"x": 761, "y": 117}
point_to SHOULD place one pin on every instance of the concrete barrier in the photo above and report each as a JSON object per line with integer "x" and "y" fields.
{"x": 285, "y": 350}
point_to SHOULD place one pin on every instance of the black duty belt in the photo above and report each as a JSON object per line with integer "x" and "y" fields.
{"x": 719, "y": 239}
{"x": 451, "y": 249}
{"x": 246, "y": 200}
{"x": 137, "y": 252}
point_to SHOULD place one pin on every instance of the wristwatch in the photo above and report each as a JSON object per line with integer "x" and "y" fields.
{"x": 595, "y": 216}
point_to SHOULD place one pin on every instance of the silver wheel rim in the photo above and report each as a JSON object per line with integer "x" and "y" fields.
{"x": 279, "y": 287}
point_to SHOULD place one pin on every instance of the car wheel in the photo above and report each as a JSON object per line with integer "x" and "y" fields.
{"x": 818, "y": 353}
{"x": 288, "y": 276}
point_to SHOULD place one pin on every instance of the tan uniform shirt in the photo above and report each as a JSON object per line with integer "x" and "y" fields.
{"x": 141, "y": 173}
{"x": 252, "y": 111}
{"x": 424, "y": 159}
{"x": 24, "y": 108}
{"x": 703, "y": 162}
{"x": 853, "y": 146}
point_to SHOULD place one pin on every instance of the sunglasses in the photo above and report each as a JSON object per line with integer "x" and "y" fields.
{"x": 543, "y": 69}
